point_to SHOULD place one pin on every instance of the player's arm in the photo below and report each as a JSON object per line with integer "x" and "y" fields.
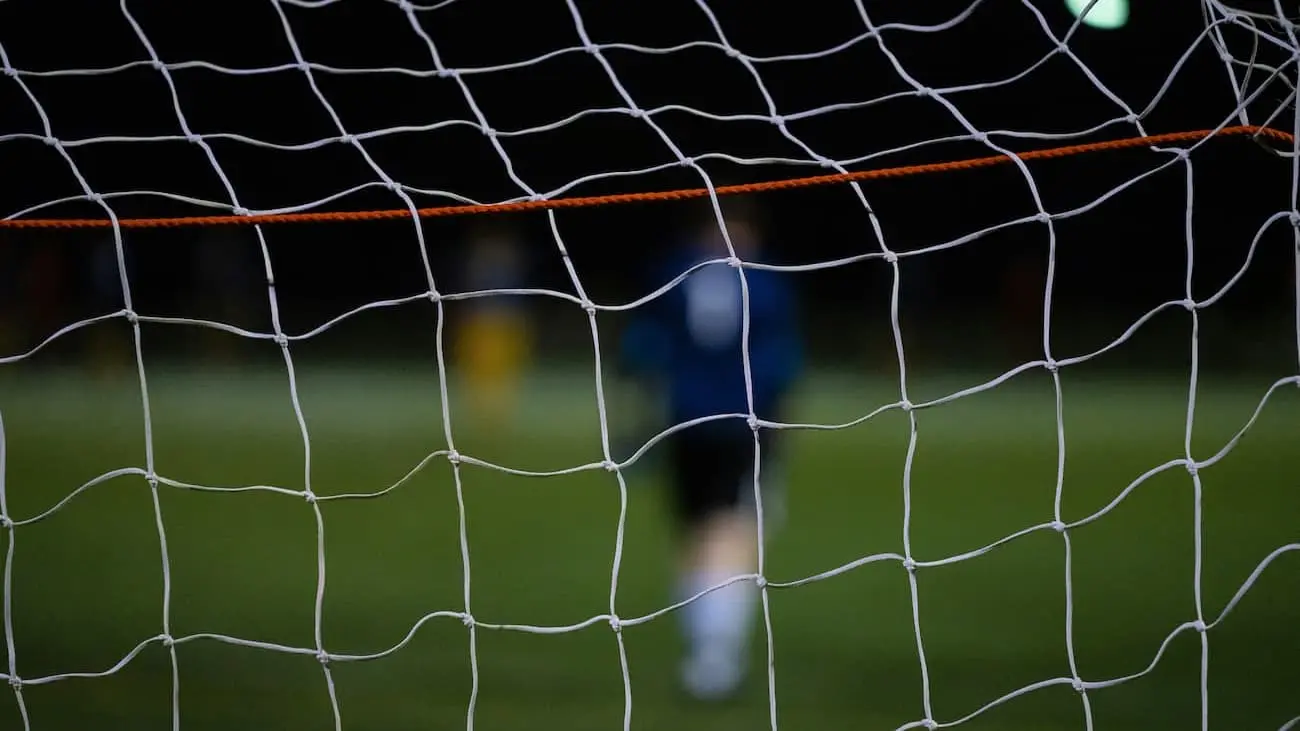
{"x": 645, "y": 357}
{"x": 646, "y": 346}
{"x": 776, "y": 354}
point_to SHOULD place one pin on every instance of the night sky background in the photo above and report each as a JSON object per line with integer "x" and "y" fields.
{"x": 978, "y": 302}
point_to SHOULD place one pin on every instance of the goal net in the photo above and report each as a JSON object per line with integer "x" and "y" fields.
{"x": 272, "y": 455}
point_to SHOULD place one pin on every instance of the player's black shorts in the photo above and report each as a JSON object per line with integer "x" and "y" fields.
{"x": 712, "y": 467}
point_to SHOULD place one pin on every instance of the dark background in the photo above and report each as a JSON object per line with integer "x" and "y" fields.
{"x": 85, "y": 583}
{"x": 980, "y": 303}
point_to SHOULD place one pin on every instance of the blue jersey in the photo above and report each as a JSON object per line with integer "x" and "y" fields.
{"x": 690, "y": 337}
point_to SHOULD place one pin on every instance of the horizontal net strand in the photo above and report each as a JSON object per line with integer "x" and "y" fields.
{"x": 252, "y": 219}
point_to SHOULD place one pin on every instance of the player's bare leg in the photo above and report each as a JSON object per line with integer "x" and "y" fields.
{"x": 720, "y": 547}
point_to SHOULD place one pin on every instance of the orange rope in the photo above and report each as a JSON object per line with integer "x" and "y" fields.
{"x": 683, "y": 194}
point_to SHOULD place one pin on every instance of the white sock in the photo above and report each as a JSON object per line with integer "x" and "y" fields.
{"x": 719, "y": 621}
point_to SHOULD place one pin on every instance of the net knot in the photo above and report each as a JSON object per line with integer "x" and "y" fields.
{"x": 1051, "y": 365}
{"x": 930, "y": 723}
{"x": 322, "y": 657}
{"x": 15, "y": 682}
{"x": 157, "y": 65}
{"x": 910, "y": 564}
{"x": 447, "y": 73}
{"x": 348, "y": 138}
{"x": 95, "y": 197}
{"x": 609, "y": 465}
{"x": 467, "y": 620}
{"x": 433, "y": 296}
{"x": 733, "y": 52}
{"x": 309, "y": 496}
{"x": 1188, "y": 304}
{"x": 1043, "y": 217}
{"x": 193, "y": 138}
{"x": 906, "y": 405}
{"x": 240, "y": 211}
{"x": 925, "y": 92}
{"x": 752, "y": 421}
{"x": 6, "y": 522}
{"x": 1078, "y": 685}
{"x": 51, "y": 141}
{"x": 591, "y": 48}
{"x": 1294, "y": 218}
{"x": 281, "y": 340}
{"x": 891, "y": 257}
{"x": 760, "y": 581}
{"x": 454, "y": 457}
{"x": 778, "y": 120}
{"x": 168, "y": 641}
{"x": 1199, "y": 626}
{"x": 405, "y": 6}
{"x": 490, "y": 133}
{"x": 304, "y": 67}
{"x": 615, "y": 623}
{"x": 1192, "y": 468}
{"x": 1058, "y": 526}
{"x": 150, "y": 476}
{"x": 1131, "y": 118}
{"x": 588, "y": 306}
{"x": 981, "y": 137}
{"x": 735, "y": 262}
{"x": 11, "y": 72}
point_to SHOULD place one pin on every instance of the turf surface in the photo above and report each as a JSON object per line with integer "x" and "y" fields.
{"x": 87, "y": 580}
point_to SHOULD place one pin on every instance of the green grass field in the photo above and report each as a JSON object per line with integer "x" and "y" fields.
{"x": 87, "y": 580}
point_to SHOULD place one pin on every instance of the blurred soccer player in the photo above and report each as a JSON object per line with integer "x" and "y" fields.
{"x": 228, "y": 285}
{"x": 494, "y": 344}
{"x": 111, "y": 347}
{"x": 690, "y": 340}
{"x": 33, "y": 302}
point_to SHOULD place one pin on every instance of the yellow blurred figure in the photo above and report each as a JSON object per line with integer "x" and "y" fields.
{"x": 494, "y": 344}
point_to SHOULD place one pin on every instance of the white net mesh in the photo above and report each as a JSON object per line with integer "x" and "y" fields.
{"x": 1257, "y": 53}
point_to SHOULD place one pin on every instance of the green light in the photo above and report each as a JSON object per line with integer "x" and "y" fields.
{"x": 1104, "y": 14}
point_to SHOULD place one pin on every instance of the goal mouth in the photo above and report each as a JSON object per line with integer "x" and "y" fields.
{"x": 933, "y": 365}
